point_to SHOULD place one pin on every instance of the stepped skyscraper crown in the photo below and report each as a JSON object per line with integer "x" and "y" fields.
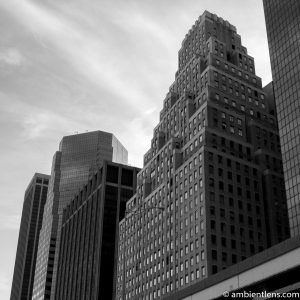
{"x": 214, "y": 166}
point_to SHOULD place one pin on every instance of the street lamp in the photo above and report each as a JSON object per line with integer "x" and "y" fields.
{"x": 135, "y": 212}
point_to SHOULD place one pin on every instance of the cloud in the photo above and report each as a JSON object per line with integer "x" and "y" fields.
{"x": 11, "y": 56}
{"x": 37, "y": 124}
{"x": 27, "y": 120}
{"x": 110, "y": 51}
{"x": 91, "y": 54}
{"x": 88, "y": 65}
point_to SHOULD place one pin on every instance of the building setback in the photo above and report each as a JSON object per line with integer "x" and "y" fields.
{"x": 89, "y": 235}
{"x": 283, "y": 26}
{"x": 31, "y": 223}
{"x": 78, "y": 156}
{"x": 214, "y": 165}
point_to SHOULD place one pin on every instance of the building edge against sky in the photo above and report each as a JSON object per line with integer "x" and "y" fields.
{"x": 276, "y": 269}
{"x": 283, "y": 27}
{"x": 89, "y": 236}
{"x": 225, "y": 125}
{"x": 78, "y": 156}
{"x": 31, "y": 222}
{"x": 214, "y": 165}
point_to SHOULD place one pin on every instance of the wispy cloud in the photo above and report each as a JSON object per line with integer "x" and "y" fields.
{"x": 91, "y": 54}
{"x": 11, "y": 56}
{"x": 37, "y": 124}
{"x": 112, "y": 52}
{"x": 71, "y": 66}
{"x": 32, "y": 121}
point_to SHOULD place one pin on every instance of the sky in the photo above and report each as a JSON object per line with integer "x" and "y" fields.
{"x": 76, "y": 66}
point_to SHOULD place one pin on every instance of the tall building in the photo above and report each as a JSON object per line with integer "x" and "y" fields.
{"x": 78, "y": 156}
{"x": 283, "y": 27}
{"x": 31, "y": 223}
{"x": 214, "y": 165}
{"x": 89, "y": 235}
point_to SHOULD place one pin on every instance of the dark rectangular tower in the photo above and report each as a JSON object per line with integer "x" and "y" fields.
{"x": 214, "y": 165}
{"x": 283, "y": 27}
{"x": 78, "y": 156}
{"x": 89, "y": 235}
{"x": 31, "y": 223}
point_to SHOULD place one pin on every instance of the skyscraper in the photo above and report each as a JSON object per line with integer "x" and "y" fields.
{"x": 283, "y": 27}
{"x": 31, "y": 223}
{"x": 214, "y": 165}
{"x": 89, "y": 235}
{"x": 78, "y": 156}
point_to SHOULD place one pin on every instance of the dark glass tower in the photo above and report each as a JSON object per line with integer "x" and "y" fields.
{"x": 78, "y": 156}
{"x": 89, "y": 236}
{"x": 283, "y": 27}
{"x": 214, "y": 165}
{"x": 31, "y": 223}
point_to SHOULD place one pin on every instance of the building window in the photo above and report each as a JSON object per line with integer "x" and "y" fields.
{"x": 187, "y": 278}
{"x": 214, "y": 269}
{"x": 202, "y": 240}
{"x": 223, "y": 241}
{"x": 213, "y": 239}
{"x": 221, "y": 185}
{"x": 202, "y": 256}
{"x": 234, "y": 258}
